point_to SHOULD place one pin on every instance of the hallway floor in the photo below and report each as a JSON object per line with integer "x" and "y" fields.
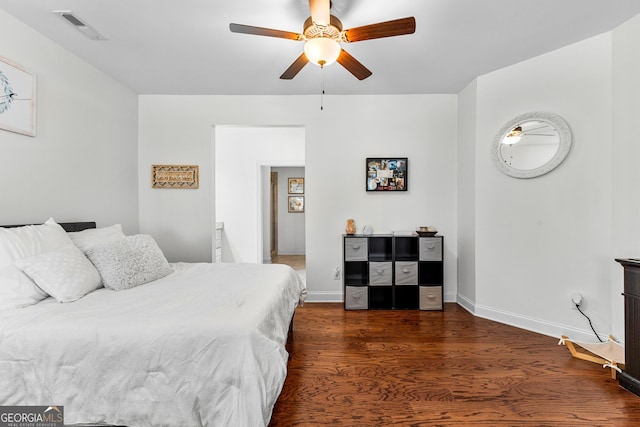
{"x": 297, "y": 262}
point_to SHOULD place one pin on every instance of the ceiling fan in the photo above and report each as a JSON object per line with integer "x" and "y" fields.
{"x": 323, "y": 34}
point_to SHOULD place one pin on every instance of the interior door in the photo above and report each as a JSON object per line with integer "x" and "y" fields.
{"x": 273, "y": 196}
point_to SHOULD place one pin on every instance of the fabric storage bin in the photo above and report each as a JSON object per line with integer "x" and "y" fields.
{"x": 356, "y": 249}
{"x": 430, "y": 297}
{"x": 380, "y": 273}
{"x": 406, "y": 273}
{"x": 430, "y": 249}
{"x": 356, "y": 298}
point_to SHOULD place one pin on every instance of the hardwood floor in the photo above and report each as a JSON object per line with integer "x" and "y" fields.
{"x": 297, "y": 262}
{"x": 413, "y": 368}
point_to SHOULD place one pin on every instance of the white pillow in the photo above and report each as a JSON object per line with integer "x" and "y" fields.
{"x": 21, "y": 242}
{"x": 65, "y": 274}
{"x": 86, "y": 238}
{"x": 129, "y": 262}
{"x": 16, "y": 289}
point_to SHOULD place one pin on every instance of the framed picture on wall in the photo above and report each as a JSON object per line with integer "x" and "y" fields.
{"x": 296, "y": 204}
{"x": 174, "y": 176}
{"x": 296, "y": 185}
{"x": 386, "y": 174}
{"x": 17, "y": 98}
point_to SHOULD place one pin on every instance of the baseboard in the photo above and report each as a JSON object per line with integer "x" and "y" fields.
{"x": 466, "y": 303}
{"x": 528, "y": 323}
{"x": 450, "y": 297}
{"x": 324, "y": 296}
{"x": 532, "y": 324}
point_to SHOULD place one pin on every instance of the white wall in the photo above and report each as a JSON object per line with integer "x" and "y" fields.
{"x": 539, "y": 240}
{"x": 176, "y": 129}
{"x": 82, "y": 164}
{"x": 626, "y": 155}
{"x": 291, "y": 226}
{"x": 241, "y": 153}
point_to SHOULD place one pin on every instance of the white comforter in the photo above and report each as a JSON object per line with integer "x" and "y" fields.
{"x": 202, "y": 346}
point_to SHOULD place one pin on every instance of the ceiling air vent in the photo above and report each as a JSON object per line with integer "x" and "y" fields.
{"x": 79, "y": 24}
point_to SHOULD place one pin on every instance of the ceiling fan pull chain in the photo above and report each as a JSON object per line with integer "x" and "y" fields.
{"x": 322, "y": 88}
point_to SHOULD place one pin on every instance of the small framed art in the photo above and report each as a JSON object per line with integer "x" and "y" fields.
{"x": 387, "y": 174}
{"x": 296, "y": 204}
{"x": 296, "y": 185}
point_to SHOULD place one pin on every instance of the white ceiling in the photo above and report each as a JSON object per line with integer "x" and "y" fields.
{"x": 185, "y": 46}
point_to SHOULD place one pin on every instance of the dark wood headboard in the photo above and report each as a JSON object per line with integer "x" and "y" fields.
{"x": 68, "y": 226}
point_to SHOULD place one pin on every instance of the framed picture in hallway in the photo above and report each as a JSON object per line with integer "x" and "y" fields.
{"x": 296, "y": 204}
{"x": 296, "y": 185}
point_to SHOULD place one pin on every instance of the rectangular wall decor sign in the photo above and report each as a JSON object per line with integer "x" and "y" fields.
{"x": 174, "y": 176}
{"x": 387, "y": 174}
{"x": 17, "y": 98}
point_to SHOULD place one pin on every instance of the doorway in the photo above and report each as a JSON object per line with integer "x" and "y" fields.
{"x": 287, "y": 222}
{"x": 273, "y": 207}
{"x": 243, "y": 157}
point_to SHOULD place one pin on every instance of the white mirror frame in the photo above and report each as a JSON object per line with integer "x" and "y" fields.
{"x": 554, "y": 120}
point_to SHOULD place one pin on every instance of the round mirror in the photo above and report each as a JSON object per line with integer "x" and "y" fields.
{"x": 531, "y": 145}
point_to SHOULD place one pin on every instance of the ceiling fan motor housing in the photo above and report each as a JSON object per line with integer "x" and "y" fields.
{"x": 331, "y": 31}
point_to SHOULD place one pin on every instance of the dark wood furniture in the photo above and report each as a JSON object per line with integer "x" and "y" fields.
{"x": 630, "y": 377}
{"x": 68, "y": 226}
{"x": 384, "y": 271}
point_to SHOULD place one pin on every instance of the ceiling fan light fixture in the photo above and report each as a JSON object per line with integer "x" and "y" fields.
{"x": 322, "y": 51}
{"x": 514, "y": 136}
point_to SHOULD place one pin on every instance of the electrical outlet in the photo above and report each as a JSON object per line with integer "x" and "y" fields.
{"x": 576, "y": 300}
{"x": 336, "y": 274}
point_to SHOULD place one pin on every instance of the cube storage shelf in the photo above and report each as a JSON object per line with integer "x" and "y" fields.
{"x": 386, "y": 272}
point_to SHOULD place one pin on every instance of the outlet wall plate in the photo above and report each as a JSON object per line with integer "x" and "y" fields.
{"x": 576, "y": 299}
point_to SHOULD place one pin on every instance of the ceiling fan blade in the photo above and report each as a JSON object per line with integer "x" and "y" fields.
{"x": 295, "y": 68}
{"x": 260, "y": 31}
{"x": 397, "y": 27}
{"x": 353, "y": 65}
{"x": 320, "y": 11}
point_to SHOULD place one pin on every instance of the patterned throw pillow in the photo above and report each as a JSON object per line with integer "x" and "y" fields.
{"x": 129, "y": 262}
{"x": 65, "y": 274}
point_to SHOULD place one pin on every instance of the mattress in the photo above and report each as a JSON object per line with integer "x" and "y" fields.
{"x": 202, "y": 346}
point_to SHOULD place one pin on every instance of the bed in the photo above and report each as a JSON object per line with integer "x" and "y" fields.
{"x": 202, "y": 345}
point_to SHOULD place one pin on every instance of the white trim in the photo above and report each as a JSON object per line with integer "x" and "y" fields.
{"x": 332, "y": 296}
{"x": 532, "y": 324}
{"x": 502, "y": 316}
{"x": 324, "y": 296}
{"x": 466, "y": 303}
{"x": 449, "y": 297}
